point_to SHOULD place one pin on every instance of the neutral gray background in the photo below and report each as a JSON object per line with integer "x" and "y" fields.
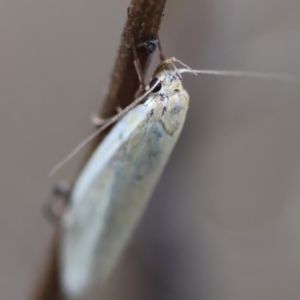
{"x": 224, "y": 222}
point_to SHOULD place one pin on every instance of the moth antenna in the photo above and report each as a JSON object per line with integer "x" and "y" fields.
{"x": 235, "y": 73}
{"x": 176, "y": 69}
{"x": 99, "y": 130}
{"x": 187, "y": 67}
{"x": 172, "y": 61}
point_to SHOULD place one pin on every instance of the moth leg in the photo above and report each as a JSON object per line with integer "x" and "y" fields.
{"x": 138, "y": 68}
{"x": 97, "y": 121}
{"x": 119, "y": 109}
{"x": 54, "y": 206}
{"x": 161, "y": 55}
{"x": 136, "y": 60}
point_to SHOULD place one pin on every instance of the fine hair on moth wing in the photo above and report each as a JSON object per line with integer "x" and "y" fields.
{"x": 156, "y": 83}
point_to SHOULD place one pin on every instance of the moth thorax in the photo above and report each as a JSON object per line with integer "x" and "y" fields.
{"x": 171, "y": 81}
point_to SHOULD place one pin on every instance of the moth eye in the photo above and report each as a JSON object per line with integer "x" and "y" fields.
{"x": 153, "y": 82}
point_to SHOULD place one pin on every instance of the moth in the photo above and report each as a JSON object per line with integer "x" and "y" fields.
{"x": 112, "y": 191}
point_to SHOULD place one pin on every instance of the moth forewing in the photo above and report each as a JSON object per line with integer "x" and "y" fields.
{"x": 111, "y": 193}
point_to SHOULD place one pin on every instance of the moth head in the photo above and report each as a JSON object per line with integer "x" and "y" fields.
{"x": 167, "y": 82}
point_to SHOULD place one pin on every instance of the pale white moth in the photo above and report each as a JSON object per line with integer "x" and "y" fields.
{"x": 112, "y": 191}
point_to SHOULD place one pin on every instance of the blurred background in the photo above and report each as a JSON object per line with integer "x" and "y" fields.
{"x": 224, "y": 222}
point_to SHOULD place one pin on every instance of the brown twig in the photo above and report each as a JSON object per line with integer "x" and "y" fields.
{"x": 143, "y": 22}
{"x": 141, "y": 29}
